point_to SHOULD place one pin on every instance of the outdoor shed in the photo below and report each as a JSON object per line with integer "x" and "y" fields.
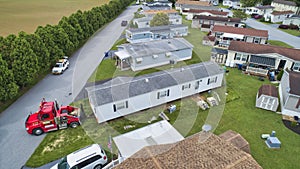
{"x": 267, "y": 98}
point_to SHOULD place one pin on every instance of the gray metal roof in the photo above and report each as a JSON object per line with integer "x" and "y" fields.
{"x": 136, "y": 50}
{"x": 219, "y": 50}
{"x": 184, "y": 6}
{"x": 157, "y": 28}
{"x": 121, "y": 88}
{"x": 143, "y": 19}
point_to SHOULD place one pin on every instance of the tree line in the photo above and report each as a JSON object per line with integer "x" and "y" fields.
{"x": 24, "y": 57}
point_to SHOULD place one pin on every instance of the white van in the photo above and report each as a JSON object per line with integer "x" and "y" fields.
{"x": 90, "y": 157}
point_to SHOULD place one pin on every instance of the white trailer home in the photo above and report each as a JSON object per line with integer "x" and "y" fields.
{"x": 122, "y": 96}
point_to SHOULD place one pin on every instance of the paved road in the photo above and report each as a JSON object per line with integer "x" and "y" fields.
{"x": 274, "y": 33}
{"x": 16, "y": 145}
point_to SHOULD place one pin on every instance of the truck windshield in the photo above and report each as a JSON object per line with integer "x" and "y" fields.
{"x": 58, "y": 65}
{"x": 63, "y": 164}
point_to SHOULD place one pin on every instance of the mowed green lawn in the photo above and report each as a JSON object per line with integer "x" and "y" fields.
{"x": 240, "y": 115}
{"x": 27, "y": 15}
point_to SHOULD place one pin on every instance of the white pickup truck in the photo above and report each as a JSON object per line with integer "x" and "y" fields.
{"x": 61, "y": 66}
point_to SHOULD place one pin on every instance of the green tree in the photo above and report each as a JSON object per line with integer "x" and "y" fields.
{"x": 8, "y": 88}
{"x": 249, "y": 3}
{"x": 160, "y": 19}
{"x": 239, "y": 14}
{"x": 70, "y": 30}
{"x": 46, "y": 37}
{"x": 74, "y": 22}
{"x": 87, "y": 29}
{"x": 267, "y": 2}
{"x": 25, "y": 64}
{"x": 60, "y": 38}
{"x": 39, "y": 48}
{"x": 6, "y": 47}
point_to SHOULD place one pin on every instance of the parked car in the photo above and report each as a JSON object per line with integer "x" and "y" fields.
{"x": 124, "y": 23}
{"x": 61, "y": 66}
{"x": 90, "y": 157}
{"x": 284, "y": 26}
{"x": 256, "y": 16}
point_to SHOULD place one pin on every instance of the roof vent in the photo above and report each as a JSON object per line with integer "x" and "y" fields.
{"x": 146, "y": 80}
{"x": 206, "y": 127}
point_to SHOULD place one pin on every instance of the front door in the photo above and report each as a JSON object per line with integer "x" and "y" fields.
{"x": 48, "y": 122}
{"x": 281, "y": 64}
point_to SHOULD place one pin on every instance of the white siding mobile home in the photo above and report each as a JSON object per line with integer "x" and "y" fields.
{"x": 124, "y": 95}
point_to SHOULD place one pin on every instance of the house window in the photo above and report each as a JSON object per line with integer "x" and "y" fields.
{"x": 219, "y": 34}
{"x": 296, "y": 66}
{"x": 244, "y": 57}
{"x": 237, "y": 56}
{"x": 119, "y": 106}
{"x": 162, "y": 94}
{"x": 256, "y": 40}
{"x": 212, "y": 80}
{"x": 240, "y": 56}
{"x": 186, "y": 86}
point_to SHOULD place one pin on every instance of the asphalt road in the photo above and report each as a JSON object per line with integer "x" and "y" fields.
{"x": 16, "y": 145}
{"x": 274, "y": 33}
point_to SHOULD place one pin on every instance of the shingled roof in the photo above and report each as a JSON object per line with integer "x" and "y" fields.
{"x": 160, "y": 11}
{"x": 291, "y": 3}
{"x": 294, "y": 78}
{"x": 157, "y": 28}
{"x": 190, "y": 2}
{"x": 242, "y": 31}
{"x": 268, "y": 90}
{"x": 202, "y": 150}
{"x": 208, "y": 11}
{"x": 217, "y": 18}
{"x": 281, "y": 12}
{"x": 265, "y": 7}
{"x": 253, "y": 48}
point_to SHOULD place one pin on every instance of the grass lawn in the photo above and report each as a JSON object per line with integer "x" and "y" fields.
{"x": 239, "y": 115}
{"x": 20, "y": 15}
{"x": 279, "y": 43}
{"x": 292, "y": 32}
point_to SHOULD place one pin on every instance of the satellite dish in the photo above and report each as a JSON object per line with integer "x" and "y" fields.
{"x": 206, "y": 127}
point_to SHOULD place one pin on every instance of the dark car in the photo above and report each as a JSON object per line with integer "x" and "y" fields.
{"x": 256, "y": 16}
{"x": 124, "y": 23}
{"x": 283, "y": 26}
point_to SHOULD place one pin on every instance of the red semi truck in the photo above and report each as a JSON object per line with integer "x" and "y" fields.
{"x": 51, "y": 117}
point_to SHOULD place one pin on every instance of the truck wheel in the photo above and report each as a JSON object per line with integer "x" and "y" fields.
{"x": 74, "y": 124}
{"x": 99, "y": 166}
{"x": 37, "y": 131}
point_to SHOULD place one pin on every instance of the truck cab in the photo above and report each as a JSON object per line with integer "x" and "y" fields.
{"x": 50, "y": 117}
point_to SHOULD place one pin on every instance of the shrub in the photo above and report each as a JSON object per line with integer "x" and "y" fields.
{"x": 280, "y": 75}
{"x": 294, "y": 27}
